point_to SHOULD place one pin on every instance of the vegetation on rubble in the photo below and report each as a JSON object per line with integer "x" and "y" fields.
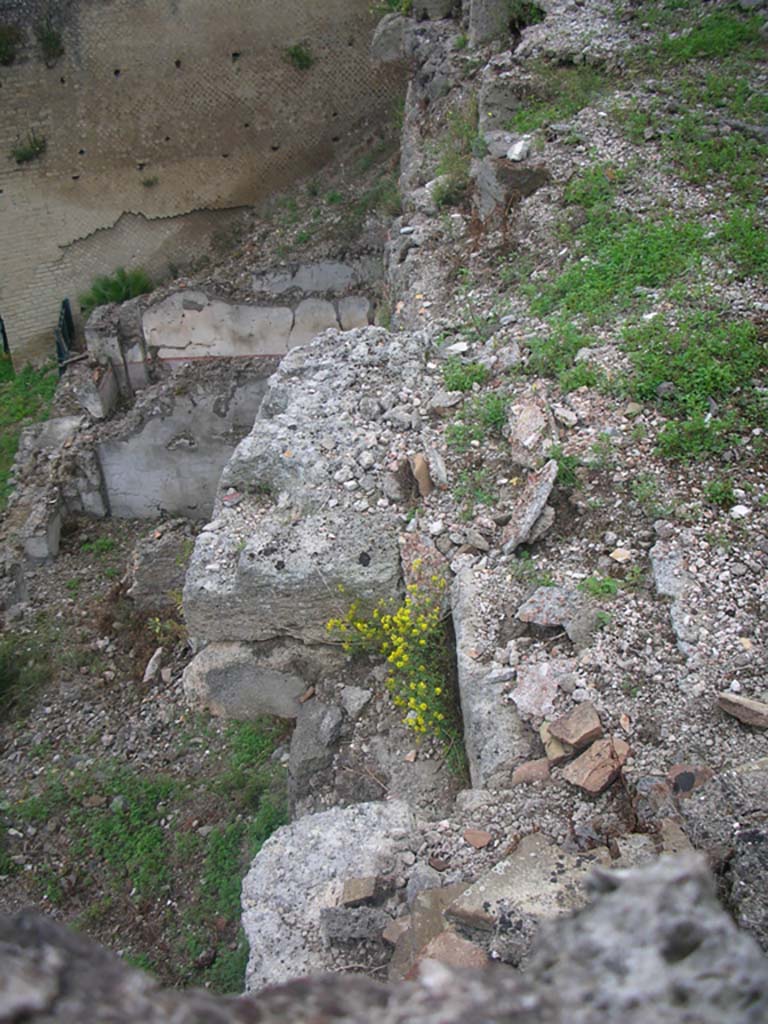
{"x": 25, "y": 667}
{"x": 555, "y": 94}
{"x": 459, "y": 376}
{"x": 412, "y": 637}
{"x": 118, "y": 287}
{"x": 523, "y": 13}
{"x": 711, "y": 368}
{"x": 458, "y": 143}
{"x": 480, "y": 417}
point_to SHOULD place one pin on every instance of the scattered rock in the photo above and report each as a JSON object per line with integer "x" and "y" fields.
{"x": 536, "y": 882}
{"x": 598, "y": 766}
{"x": 152, "y": 671}
{"x": 420, "y": 469}
{"x": 538, "y": 685}
{"x": 477, "y": 838}
{"x": 354, "y": 699}
{"x": 529, "y": 506}
{"x": 560, "y": 607}
{"x": 749, "y": 711}
{"x": 449, "y": 948}
{"x": 317, "y": 729}
{"x": 531, "y": 771}
{"x": 578, "y": 728}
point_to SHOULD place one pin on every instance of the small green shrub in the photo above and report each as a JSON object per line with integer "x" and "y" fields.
{"x": 554, "y": 353}
{"x": 473, "y": 486}
{"x": 100, "y": 546}
{"x": 458, "y": 143}
{"x": 49, "y": 40}
{"x": 121, "y": 286}
{"x": 600, "y": 586}
{"x": 720, "y": 492}
{"x": 566, "y": 466}
{"x": 392, "y": 7}
{"x": 152, "y": 182}
{"x": 11, "y": 38}
{"x": 458, "y": 376}
{"x": 700, "y": 155}
{"x": 582, "y": 375}
{"x": 596, "y": 186}
{"x": 479, "y": 418}
{"x": 25, "y": 398}
{"x": 24, "y": 152}
{"x": 300, "y": 56}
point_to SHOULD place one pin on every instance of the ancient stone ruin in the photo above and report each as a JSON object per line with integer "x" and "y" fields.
{"x": 321, "y": 443}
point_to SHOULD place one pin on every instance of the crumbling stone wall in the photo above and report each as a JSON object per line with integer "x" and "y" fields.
{"x": 163, "y": 119}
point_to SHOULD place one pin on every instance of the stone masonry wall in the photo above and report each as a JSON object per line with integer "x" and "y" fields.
{"x": 163, "y": 120}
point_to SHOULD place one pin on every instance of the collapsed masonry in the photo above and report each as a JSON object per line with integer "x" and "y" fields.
{"x": 162, "y": 453}
{"x": 653, "y": 945}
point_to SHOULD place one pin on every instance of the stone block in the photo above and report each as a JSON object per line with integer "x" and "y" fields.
{"x": 388, "y": 43}
{"x": 354, "y": 311}
{"x": 488, "y": 20}
{"x": 325, "y": 276}
{"x": 278, "y": 570}
{"x": 499, "y": 184}
{"x": 239, "y": 681}
{"x": 299, "y": 871}
{"x": 215, "y": 328}
{"x": 311, "y": 317}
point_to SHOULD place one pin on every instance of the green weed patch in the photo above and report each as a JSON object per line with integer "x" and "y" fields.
{"x": 620, "y": 257}
{"x": 25, "y": 398}
{"x": 711, "y": 368}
